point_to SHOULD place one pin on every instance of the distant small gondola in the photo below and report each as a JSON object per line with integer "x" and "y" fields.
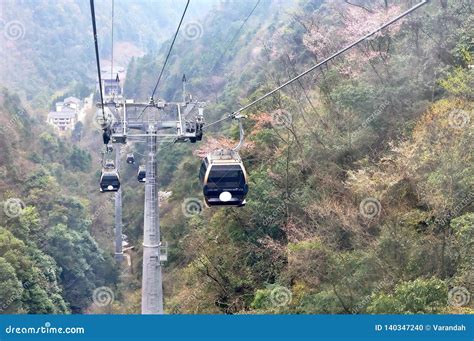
{"x": 109, "y": 164}
{"x": 130, "y": 159}
{"x": 141, "y": 175}
{"x": 224, "y": 179}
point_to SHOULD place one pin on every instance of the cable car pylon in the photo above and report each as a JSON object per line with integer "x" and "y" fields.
{"x": 119, "y": 132}
{"x": 118, "y": 213}
{"x": 152, "y": 287}
{"x": 151, "y": 123}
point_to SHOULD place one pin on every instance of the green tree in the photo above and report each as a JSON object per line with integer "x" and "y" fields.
{"x": 419, "y": 296}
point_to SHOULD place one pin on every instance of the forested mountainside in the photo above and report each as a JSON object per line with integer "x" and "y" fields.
{"x": 360, "y": 174}
{"x": 49, "y": 261}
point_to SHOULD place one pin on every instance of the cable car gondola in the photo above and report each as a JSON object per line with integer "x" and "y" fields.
{"x": 130, "y": 159}
{"x": 224, "y": 179}
{"x": 109, "y": 181}
{"x": 141, "y": 175}
{"x": 109, "y": 178}
{"x": 109, "y": 164}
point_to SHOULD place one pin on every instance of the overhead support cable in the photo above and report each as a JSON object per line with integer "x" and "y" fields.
{"x": 170, "y": 49}
{"x": 96, "y": 44}
{"x": 325, "y": 61}
{"x": 166, "y": 60}
{"x": 231, "y": 42}
{"x": 112, "y": 48}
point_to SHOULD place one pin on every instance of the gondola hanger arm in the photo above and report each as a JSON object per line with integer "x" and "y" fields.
{"x": 239, "y": 117}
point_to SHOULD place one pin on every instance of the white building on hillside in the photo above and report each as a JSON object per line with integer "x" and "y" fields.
{"x": 70, "y": 102}
{"x": 63, "y": 120}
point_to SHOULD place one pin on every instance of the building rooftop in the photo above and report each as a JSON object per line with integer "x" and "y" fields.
{"x": 72, "y": 100}
{"x": 111, "y": 81}
{"x": 65, "y": 113}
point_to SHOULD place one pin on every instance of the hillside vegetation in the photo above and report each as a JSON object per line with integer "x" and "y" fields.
{"x": 49, "y": 261}
{"x": 360, "y": 175}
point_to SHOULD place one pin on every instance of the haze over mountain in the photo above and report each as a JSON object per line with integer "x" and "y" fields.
{"x": 361, "y": 174}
